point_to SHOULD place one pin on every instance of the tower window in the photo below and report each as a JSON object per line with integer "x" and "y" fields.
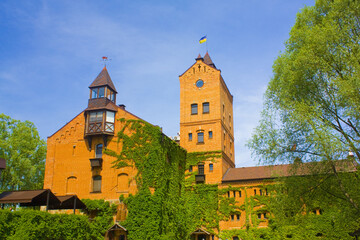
{"x": 206, "y": 107}
{"x": 238, "y": 217}
{"x": 210, "y": 134}
{"x": 194, "y": 108}
{"x": 97, "y": 183}
{"x": 101, "y": 92}
{"x": 211, "y": 167}
{"x": 190, "y": 136}
{"x": 200, "y": 137}
{"x": 98, "y": 151}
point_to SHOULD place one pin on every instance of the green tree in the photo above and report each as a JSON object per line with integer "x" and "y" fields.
{"x": 312, "y": 111}
{"x": 25, "y": 154}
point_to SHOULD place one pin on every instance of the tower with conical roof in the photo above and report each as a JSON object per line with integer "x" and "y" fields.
{"x": 206, "y": 118}
{"x": 100, "y": 113}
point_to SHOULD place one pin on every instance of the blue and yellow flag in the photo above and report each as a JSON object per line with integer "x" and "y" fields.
{"x": 202, "y": 40}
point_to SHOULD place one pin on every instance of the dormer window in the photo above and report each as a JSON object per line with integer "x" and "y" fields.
{"x": 97, "y": 123}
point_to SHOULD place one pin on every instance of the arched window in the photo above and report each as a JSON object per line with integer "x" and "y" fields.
{"x": 123, "y": 182}
{"x": 71, "y": 184}
{"x": 97, "y": 183}
{"x": 98, "y": 151}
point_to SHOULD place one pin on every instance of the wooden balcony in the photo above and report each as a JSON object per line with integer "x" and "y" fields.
{"x": 200, "y": 178}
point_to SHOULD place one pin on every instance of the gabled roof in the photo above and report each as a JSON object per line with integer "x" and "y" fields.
{"x": 117, "y": 226}
{"x": 103, "y": 79}
{"x": 208, "y": 60}
{"x": 200, "y": 231}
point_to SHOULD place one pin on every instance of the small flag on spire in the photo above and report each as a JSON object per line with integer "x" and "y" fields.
{"x": 104, "y": 58}
{"x": 202, "y": 40}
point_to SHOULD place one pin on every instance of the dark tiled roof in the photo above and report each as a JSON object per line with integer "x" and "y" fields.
{"x": 208, "y": 60}
{"x": 101, "y": 103}
{"x": 269, "y": 172}
{"x": 103, "y": 79}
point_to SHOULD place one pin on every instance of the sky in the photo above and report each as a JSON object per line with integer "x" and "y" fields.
{"x": 51, "y": 51}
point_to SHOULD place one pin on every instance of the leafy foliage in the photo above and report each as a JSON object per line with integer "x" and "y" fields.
{"x": 36, "y": 225}
{"x": 25, "y": 154}
{"x": 311, "y": 114}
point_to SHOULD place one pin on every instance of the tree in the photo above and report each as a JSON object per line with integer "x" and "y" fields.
{"x": 312, "y": 104}
{"x": 25, "y": 154}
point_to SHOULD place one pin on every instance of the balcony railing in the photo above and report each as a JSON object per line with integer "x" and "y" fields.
{"x": 99, "y": 127}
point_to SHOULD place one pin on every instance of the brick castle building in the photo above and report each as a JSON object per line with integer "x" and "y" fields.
{"x": 75, "y": 163}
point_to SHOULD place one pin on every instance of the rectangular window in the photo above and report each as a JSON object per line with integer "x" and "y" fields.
{"x": 201, "y": 169}
{"x": 96, "y": 116}
{"x": 259, "y": 215}
{"x": 94, "y": 93}
{"x": 97, "y": 183}
{"x": 228, "y": 194}
{"x": 210, "y": 134}
{"x": 110, "y": 117}
{"x": 211, "y": 167}
{"x": 254, "y": 191}
{"x": 239, "y": 193}
{"x": 190, "y": 136}
{"x": 260, "y": 192}
{"x": 190, "y": 168}
{"x": 232, "y": 217}
{"x": 194, "y": 109}
{"x": 238, "y": 217}
{"x": 101, "y": 92}
{"x": 200, "y": 137}
{"x": 234, "y": 193}
{"x": 265, "y": 217}
{"x": 206, "y": 107}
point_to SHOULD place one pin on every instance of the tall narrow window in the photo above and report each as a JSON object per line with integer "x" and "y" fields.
{"x": 206, "y": 107}
{"x": 200, "y": 137}
{"x": 254, "y": 191}
{"x": 97, "y": 183}
{"x": 238, "y": 217}
{"x": 232, "y": 217}
{"x": 210, "y": 134}
{"x": 201, "y": 169}
{"x": 234, "y": 193}
{"x": 190, "y": 168}
{"x": 194, "y": 109}
{"x": 211, "y": 167}
{"x": 190, "y": 136}
{"x": 98, "y": 151}
{"x": 239, "y": 193}
{"x": 101, "y": 92}
{"x": 94, "y": 93}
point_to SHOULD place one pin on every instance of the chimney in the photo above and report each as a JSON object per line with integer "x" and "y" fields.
{"x": 122, "y": 106}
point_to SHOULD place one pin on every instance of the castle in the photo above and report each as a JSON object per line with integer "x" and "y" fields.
{"x": 75, "y": 163}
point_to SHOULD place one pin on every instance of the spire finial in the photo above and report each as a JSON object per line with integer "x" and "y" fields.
{"x": 105, "y": 60}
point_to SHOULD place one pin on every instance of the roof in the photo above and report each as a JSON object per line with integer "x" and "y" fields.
{"x": 208, "y": 60}
{"x": 273, "y": 171}
{"x": 253, "y": 173}
{"x": 2, "y": 163}
{"x": 101, "y": 103}
{"x": 103, "y": 79}
{"x": 29, "y": 198}
{"x": 117, "y": 226}
{"x": 200, "y": 231}
{"x": 67, "y": 202}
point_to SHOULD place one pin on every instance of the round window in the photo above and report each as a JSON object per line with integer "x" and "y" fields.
{"x": 199, "y": 83}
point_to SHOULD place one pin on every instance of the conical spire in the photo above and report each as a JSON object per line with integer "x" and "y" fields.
{"x": 208, "y": 60}
{"x": 103, "y": 79}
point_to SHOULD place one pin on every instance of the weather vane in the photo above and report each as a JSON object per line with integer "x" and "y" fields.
{"x": 105, "y": 60}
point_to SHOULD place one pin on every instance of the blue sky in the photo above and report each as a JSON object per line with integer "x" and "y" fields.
{"x": 50, "y": 52}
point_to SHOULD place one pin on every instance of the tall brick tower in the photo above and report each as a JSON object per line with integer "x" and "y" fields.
{"x": 206, "y": 118}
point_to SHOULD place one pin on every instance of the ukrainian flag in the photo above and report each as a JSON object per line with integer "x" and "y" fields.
{"x": 202, "y": 40}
